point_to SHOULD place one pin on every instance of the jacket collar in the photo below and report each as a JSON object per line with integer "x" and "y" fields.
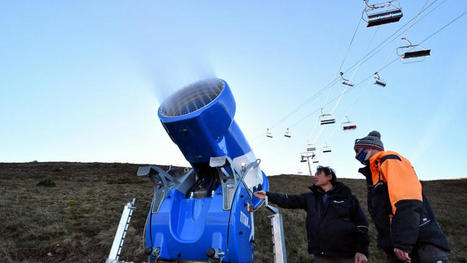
{"x": 372, "y": 169}
{"x": 339, "y": 189}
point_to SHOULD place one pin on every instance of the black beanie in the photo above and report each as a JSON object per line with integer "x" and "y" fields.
{"x": 373, "y": 141}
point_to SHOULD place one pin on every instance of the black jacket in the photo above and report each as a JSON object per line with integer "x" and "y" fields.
{"x": 337, "y": 227}
{"x": 414, "y": 222}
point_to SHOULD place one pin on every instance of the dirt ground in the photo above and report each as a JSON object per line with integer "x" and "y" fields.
{"x": 75, "y": 220}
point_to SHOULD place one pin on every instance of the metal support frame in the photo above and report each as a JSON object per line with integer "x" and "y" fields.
{"x": 418, "y": 53}
{"x": 121, "y": 232}
{"x": 278, "y": 242}
{"x": 306, "y": 156}
{"x": 390, "y": 13}
{"x": 231, "y": 177}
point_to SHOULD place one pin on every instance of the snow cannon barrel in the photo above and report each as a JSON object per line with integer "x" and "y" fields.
{"x": 200, "y": 119}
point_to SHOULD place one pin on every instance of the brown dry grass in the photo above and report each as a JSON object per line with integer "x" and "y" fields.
{"x": 76, "y": 220}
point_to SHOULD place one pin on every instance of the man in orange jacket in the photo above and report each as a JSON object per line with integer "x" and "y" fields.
{"x": 406, "y": 225}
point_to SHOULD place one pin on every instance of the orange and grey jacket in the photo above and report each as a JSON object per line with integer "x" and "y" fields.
{"x": 401, "y": 213}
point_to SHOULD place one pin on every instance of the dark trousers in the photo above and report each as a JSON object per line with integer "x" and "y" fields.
{"x": 423, "y": 254}
{"x": 319, "y": 259}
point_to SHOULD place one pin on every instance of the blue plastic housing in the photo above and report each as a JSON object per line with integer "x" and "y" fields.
{"x": 199, "y": 119}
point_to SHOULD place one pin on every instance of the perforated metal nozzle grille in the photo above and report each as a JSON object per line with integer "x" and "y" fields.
{"x": 192, "y": 97}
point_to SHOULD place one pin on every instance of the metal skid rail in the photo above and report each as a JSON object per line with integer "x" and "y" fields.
{"x": 121, "y": 232}
{"x": 278, "y": 242}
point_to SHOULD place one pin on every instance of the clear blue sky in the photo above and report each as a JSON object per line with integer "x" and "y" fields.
{"x": 82, "y": 80}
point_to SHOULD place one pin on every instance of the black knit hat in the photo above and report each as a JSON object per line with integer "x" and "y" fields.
{"x": 372, "y": 141}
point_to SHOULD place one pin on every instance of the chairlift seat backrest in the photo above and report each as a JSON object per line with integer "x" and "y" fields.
{"x": 381, "y": 83}
{"x": 350, "y": 127}
{"x": 416, "y": 54}
{"x": 385, "y": 13}
{"x": 384, "y": 20}
{"x": 328, "y": 121}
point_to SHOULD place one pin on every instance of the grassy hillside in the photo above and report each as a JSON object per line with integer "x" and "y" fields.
{"x": 75, "y": 220}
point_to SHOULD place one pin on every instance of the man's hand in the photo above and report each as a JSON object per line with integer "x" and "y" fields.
{"x": 260, "y": 194}
{"x": 402, "y": 255}
{"x": 360, "y": 258}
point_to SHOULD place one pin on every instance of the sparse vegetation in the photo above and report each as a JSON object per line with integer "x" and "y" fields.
{"x": 126, "y": 180}
{"x": 47, "y": 182}
{"x": 58, "y": 169}
{"x": 72, "y": 202}
{"x": 76, "y": 222}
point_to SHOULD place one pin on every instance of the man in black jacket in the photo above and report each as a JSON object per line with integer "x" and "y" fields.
{"x": 337, "y": 228}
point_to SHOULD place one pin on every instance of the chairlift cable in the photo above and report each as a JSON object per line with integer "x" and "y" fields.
{"x": 360, "y": 64}
{"x": 313, "y": 130}
{"x": 433, "y": 9}
{"x": 309, "y": 99}
{"x": 415, "y": 18}
{"x": 354, "y": 72}
{"x": 318, "y": 135}
{"x": 349, "y": 110}
{"x": 363, "y": 90}
{"x": 361, "y": 95}
{"x": 350, "y": 44}
{"x": 388, "y": 64}
{"x": 407, "y": 29}
{"x": 330, "y": 85}
{"x": 335, "y": 79}
{"x": 337, "y": 97}
{"x": 379, "y": 70}
{"x": 361, "y": 61}
{"x": 386, "y": 41}
{"x": 383, "y": 44}
{"x": 443, "y": 27}
{"x": 385, "y": 65}
{"x": 358, "y": 98}
{"x": 339, "y": 72}
{"x": 317, "y": 110}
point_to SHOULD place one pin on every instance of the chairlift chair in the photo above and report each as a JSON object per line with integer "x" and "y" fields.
{"x": 379, "y": 81}
{"x": 268, "y": 133}
{"x": 381, "y": 13}
{"x": 287, "y": 133}
{"x": 345, "y": 81}
{"x": 310, "y": 148}
{"x": 326, "y": 118}
{"x": 303, "y": 160}
{"x": 348, "y": 125}
{"x": 315, "y": 161}
{"x": 326, "y": 149}
{"x": 409, "y": 53}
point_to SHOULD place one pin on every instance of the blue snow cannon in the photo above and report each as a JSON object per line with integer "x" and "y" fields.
{"x": 204, "y": 213}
